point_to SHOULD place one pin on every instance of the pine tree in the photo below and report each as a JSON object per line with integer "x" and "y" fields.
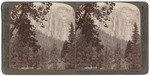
{"x": 68, "y": 52}
{"x": 128, "y": 48}
{"x": 135, "y": 36}
{"x": 22, "y": 28}
{"x": 64, "y": 49}
{"x": 72, "y": 54}
{"x": 132, "y": 53}
{"x": 68, "y": 42}
{"x": 72, "y": 34}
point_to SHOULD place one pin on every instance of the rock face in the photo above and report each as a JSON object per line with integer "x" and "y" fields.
{"x": 120, "y": 29}
{"x": 58, "y": 21}
{"x": 122, "y": 21}
{"x": 62, "y": 15}
{"x": 56, "y": 28}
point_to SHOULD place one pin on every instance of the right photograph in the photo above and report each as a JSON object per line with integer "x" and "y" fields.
{"x": 107, "y": 36}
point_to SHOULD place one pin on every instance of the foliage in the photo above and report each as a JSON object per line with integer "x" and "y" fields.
{"x": 89, "y": 49}
{"x": 72, "y": 34}
{"x": 23, "y": 11}
{"x": 117, "y": 57}
{"x": 89, "y": 9}
{"x": 132, "y": 53}
{"x": 68, "y": 51}
{"x": 22, "y": 28}
{"x": 135, "y": 36}
{"x": 54, "y": 56}
{"x": 128, "y": 48}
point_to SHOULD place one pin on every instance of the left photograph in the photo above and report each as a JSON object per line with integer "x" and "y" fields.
{"x": 39, "y": 33}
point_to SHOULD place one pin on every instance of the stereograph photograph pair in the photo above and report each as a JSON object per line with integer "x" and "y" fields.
{"x": 75, "y": 37}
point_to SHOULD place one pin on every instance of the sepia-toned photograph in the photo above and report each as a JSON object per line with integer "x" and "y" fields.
{"x": 56, "y": 36}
